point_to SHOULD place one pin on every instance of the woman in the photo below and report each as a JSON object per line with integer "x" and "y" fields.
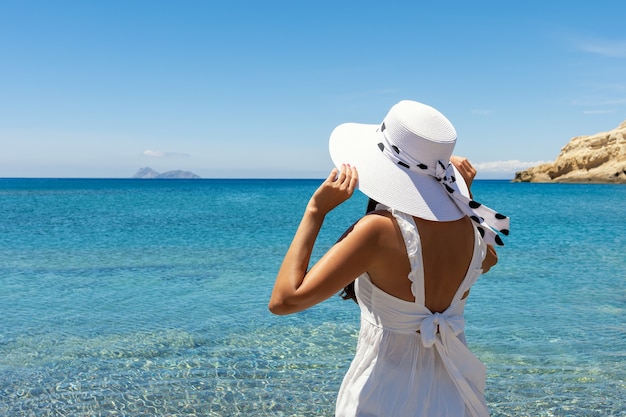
{"x": 412, "y": 261}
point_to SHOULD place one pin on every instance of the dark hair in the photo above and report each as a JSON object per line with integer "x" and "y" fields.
{"x": 348, "y": 291}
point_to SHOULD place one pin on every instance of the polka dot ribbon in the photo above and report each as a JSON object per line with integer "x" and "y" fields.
{"x": 489, "y": 222}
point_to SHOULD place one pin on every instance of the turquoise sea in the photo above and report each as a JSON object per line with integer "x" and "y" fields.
{"x": 149, "y": 298}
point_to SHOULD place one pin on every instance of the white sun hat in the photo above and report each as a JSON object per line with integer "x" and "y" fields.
{"x": 404, "y": 163}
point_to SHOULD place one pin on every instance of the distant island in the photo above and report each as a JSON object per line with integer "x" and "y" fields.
{"x": 149, "y": 173}
{"x": 599, "y": 158}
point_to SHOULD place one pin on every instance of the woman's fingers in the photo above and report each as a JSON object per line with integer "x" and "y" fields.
{"x": 347, "y": 178}
{"x": 333, "y": 175}
{"x": 466, "y": 169}
{"x": 342, "y": 174}
{"x": 354, "y": 180}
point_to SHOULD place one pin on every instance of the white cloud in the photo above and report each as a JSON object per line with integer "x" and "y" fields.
{"x": 482, "y": 112}
{"x": 162, "y": 154}
{"x": 156, "y": 154}
{"x": 505, "y": 166}
{"x": 598, "y": 111}
{"x": 603, "y": 102}
{"x": 610, "y": 48}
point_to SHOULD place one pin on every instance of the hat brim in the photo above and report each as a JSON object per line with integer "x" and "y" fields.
{"x": 411, "y": 192}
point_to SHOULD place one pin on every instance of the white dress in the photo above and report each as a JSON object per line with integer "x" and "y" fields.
{"x": 398, "y": 371}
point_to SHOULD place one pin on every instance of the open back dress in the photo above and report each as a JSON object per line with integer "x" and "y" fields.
{"x": 410, "y": 361}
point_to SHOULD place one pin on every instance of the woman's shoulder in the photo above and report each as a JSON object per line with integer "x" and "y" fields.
{"x": 371, "y": 226}
{"x": 379, "y": 227}
{"x": 377, "y": 219}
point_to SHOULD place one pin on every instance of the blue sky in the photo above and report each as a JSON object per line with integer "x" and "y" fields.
{"x": 254, "y": 88}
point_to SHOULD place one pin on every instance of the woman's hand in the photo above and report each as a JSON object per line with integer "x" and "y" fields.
{"x": 491, "y": 258}
{"x": 337, "y": 188}
{"x": 466, "y": 169}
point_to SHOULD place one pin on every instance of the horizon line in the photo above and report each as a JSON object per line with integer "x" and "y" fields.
{"x": 196, "y": 179}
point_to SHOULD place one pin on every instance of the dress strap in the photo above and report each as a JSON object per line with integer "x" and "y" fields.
{"x": 414, "y": 251}
{"x": 475, "y": 268}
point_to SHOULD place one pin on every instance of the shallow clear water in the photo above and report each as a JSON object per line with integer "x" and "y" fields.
{"x": 136, "y": 297}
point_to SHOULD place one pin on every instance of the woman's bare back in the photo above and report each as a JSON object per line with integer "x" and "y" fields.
{"x": 447, "y": 249}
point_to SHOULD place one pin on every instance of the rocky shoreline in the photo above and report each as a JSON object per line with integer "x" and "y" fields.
{"x": 599, "y": 158}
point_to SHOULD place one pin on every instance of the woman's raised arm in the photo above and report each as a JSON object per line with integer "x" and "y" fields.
{"x": 295, "y": 289}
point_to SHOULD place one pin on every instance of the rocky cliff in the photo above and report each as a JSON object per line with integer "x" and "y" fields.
{"x": 599, "y": 158}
